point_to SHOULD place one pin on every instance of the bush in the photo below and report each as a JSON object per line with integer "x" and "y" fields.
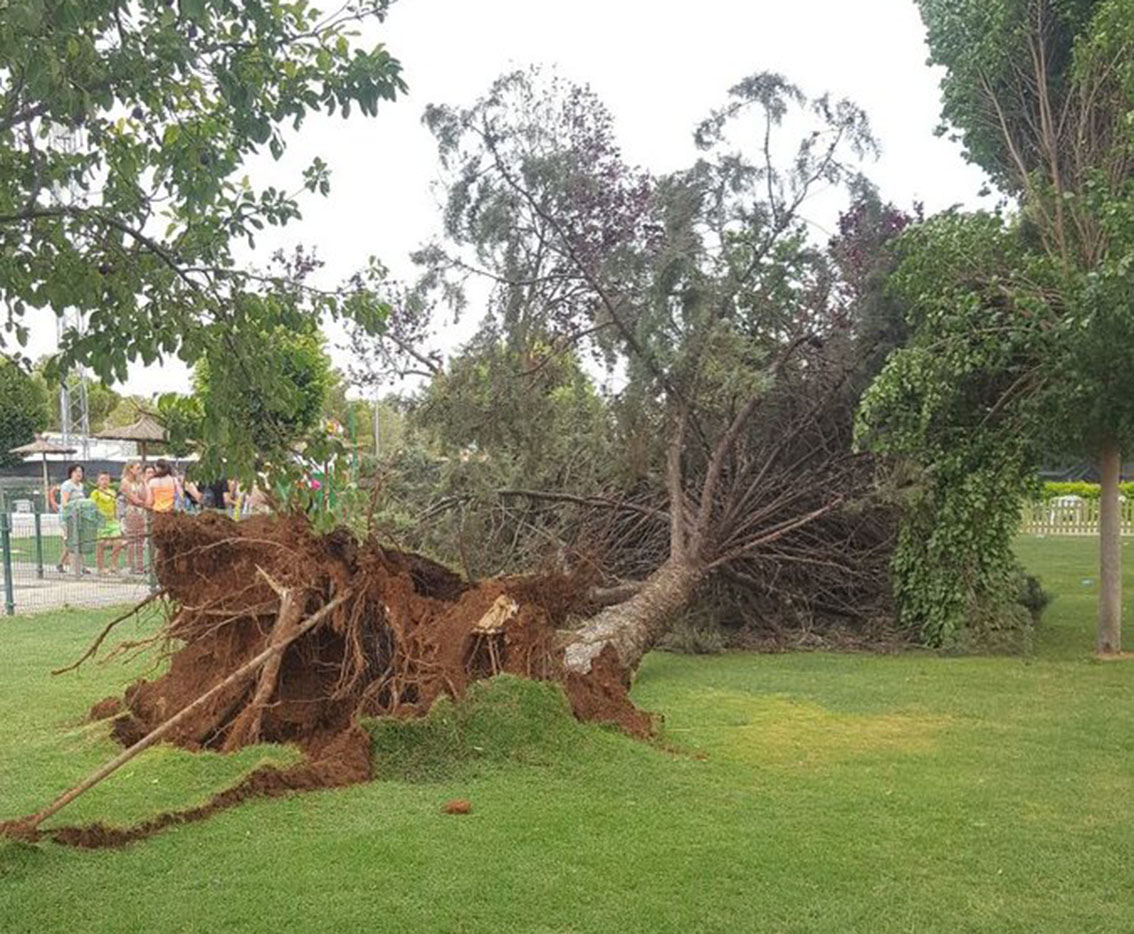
{"x": 1031, "y": 595}
{"x": 1005, "y": 629}
{"x": 1054, "y": 489}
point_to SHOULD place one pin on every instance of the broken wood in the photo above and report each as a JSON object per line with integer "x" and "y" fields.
{"x": 246, "y": 727}
{"x": 156, "y": 595}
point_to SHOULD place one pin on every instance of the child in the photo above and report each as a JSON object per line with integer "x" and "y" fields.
{"x": 110, "y": 530}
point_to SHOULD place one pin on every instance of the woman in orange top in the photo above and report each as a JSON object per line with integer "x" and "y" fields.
{"x": 161, "y": 491}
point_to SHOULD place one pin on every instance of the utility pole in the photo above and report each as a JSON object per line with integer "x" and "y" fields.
{"x": 74, "y": 405}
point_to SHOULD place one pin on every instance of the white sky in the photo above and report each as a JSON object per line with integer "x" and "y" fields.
{"x": 659, "y": 65}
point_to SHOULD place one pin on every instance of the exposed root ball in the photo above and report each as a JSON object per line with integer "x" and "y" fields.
{"x": 407, "y": 632}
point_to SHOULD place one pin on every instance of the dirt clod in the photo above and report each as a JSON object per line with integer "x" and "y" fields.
{"x": 107, "y": 707}
{"x": 457, "y": 806}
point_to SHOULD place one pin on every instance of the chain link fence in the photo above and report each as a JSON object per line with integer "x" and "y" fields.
{"x": 74, "y": 558}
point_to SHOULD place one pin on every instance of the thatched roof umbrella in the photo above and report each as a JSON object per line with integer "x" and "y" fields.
{"x": 145, "y": 430}
{"x": 43, "y": 447}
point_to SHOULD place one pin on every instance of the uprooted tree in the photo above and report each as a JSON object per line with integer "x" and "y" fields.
{"x": 741, "y": 374}
{"x": 706, "y": 298}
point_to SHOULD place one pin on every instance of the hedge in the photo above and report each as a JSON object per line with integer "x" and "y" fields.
{"x": 1081, "y": 488}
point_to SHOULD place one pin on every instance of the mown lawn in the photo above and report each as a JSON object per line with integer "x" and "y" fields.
{"x": 813, "y": 792}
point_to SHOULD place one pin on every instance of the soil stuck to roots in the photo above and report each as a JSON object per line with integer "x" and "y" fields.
{"x": 405, "y": 632}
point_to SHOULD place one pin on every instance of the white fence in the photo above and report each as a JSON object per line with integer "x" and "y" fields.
{"x": 23, "y": 524}
{"x": 1072, "y": 515}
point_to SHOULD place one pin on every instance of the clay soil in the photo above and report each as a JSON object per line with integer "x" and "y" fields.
{"x": 406, "y": 632}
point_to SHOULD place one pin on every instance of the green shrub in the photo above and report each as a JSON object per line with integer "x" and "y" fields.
{"x": 1081, "y": 488}
{"x": 1031, "y": 595}
{"x": 1005, "y": 629}
{"x": 1008, "y": 631}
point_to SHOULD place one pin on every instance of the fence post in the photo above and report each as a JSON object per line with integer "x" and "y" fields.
{"x": 6, "y": 547}
{"x": 38, "y": 546}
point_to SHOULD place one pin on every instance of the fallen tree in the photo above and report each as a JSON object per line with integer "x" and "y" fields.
{"x": 742, "y": 360}
{"x": 741, "y": 369}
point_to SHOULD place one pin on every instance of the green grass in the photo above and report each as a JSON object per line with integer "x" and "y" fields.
{"x": 23, "y": 549}
{"x": 800, "y": 792}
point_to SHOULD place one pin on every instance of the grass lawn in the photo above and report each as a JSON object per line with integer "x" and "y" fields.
{"x": 815, "y": 792}
{"x": 23, "y": 549}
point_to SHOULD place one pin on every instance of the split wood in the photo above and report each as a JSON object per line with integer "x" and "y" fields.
{"x": 26, "y": 826}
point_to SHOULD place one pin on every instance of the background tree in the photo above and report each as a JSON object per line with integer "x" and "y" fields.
{"x": 1029, "y": 340}
{"x": 124, "y": 134}
{"x": 496, "y": 443}
{"x": 259, "y": 409}
{"x": 24, "y": 410}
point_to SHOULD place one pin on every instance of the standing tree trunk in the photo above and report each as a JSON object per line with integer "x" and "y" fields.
{"x": 631, "y": 628}
{"x": 1109, "y": 640}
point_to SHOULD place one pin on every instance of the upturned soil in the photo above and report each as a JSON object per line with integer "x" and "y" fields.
{"x": 406, "y": 632}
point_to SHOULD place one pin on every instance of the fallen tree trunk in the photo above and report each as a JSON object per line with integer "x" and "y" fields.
{"x": 631, "y": 628}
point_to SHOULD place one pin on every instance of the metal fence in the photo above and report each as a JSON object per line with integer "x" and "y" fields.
{"x": 52, "y": 561}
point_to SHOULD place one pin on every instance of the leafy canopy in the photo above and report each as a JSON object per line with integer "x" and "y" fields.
{"x": 124, "y": 133}
{"x": 1022, "y": 323}
{"x": 24, "y": 410}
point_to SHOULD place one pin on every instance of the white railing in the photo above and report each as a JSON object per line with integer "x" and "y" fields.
{"x": 1072, "y": 515}
{"x": 23, "y": 524}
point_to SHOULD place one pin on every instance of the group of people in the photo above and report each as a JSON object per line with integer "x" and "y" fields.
{"x": 121, "y": 512}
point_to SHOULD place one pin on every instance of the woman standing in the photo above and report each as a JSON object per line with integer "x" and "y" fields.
{"x": 162, "y": 490}
{"x": 133, "y": 492}
{"x": 70, "y": 490}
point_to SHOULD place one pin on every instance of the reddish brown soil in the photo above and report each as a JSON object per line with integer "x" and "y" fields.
{"x": 457, "y": 806}
{"x": 405, "y": 634}
{"x": 107, "y": 707}
{"x": 603, "y": 695}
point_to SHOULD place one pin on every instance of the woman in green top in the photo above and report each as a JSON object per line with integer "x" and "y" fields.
{"x": 110, "y": 531}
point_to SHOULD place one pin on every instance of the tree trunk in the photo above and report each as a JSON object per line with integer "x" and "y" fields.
{"x": 633, "y": 627}
{"x": 1109, "y": 640}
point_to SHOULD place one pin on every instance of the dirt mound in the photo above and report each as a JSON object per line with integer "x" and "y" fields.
{"x": 401, "y": 631}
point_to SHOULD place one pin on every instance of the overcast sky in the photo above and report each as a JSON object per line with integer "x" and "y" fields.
{"x": 659, "y": 65}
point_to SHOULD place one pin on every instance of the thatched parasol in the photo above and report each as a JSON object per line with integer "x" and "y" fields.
{"x": 43, "y": 447}
{"x": 145, "y": 430}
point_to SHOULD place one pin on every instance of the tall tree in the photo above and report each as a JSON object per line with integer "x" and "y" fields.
{"x": 23, "y": 409}
{"x": 243, "y": 426}
{"x": 1040, "y": 317}
{"x": 125, "y": 129}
